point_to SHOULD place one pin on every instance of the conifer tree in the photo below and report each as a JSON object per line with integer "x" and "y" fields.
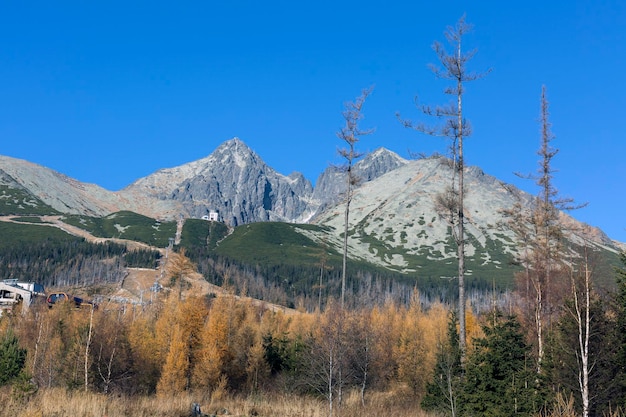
{"x": 175, "y": 370}
{"x": 410, "y": 350}
{"x": 145, "y": 354}
{"x": 350, "y": 134}
{"x": 456, "y": 129}
{"x": 12, "y": 357}
{"x": 443, "y": 391}
{"x": 498, "y": 379}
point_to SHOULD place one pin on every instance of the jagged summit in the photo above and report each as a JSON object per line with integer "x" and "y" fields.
{"x": 331, "y": 184}
{"x": 393, "y": 205}
{"x": 235, "y": 151}
{"x": 234, "y": 181}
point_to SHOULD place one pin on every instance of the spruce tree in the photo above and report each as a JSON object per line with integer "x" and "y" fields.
{"x": 620, "y": 334}
{"x": 499, "y": 378}
{"x": 443, "y": 391}
{"x": 12, "y": 358}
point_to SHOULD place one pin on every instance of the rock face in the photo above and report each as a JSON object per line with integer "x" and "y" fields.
{"x": 55, "y": 189}
{"x": 233, "y": 181}
{"x": 331, "y": 185}
{"x": 393, "y": 204}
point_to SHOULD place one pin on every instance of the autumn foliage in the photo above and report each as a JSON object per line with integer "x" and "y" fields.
{"x": 220, "y": 346}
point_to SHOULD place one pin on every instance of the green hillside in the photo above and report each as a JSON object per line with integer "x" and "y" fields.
{"x": 274, "y": 243}
{"x": 281, "y": 257}
{"x": 126, "y": 225}
{"x": 16, "y": 201}
{"x": 51, "y": 257}
{"x": 14, "y": 234}
{"x": 278, "y": 262}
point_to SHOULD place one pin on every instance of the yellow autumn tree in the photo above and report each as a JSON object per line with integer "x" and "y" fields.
{"x": 433, "y": 325}
{"x": 166, "y": 320}
{"x": 474, "y": 329}
{"x": 191, "y": 316}
{"x": 174, "y": 374}
{"x": 179, "y": 267}
{"x": 257, "y": 370}
{"x": 387, "y": 324}
{"x": 215, "y": 353}
{"x": 247, "y": 336}
{"x": 145, "y": 352}
{"x": 410, "y": 351}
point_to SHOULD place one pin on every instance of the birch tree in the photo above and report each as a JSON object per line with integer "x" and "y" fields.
{"x": 582, "y": 360}
{"x": 581, "y": 311}
{"x": 453, "y": 126}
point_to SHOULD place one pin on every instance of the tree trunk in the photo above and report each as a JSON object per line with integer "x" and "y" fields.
{"x": 87, "y": 350}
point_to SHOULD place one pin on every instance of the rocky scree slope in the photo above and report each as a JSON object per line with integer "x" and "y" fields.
{"x": 395, "y": 224}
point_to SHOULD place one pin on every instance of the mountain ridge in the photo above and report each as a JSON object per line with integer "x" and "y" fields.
{"x": 235, "y": 182}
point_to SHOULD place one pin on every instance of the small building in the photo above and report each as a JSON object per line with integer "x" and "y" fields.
{"x": 212, "y": 216}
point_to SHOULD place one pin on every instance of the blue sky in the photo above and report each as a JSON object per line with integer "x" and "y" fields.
{"x": 109, "y": 92}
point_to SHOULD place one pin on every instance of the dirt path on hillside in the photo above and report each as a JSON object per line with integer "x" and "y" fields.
{"x": 55, "y": 221}
{"x": 136, "y": 286}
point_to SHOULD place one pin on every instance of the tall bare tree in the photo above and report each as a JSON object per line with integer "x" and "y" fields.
{"x": 453, "y": 67}
{"x": 350, "y": 134}
{"x": 540, "y": 231}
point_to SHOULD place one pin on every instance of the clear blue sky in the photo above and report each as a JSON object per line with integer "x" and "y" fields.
{"x": 109, "y": 91}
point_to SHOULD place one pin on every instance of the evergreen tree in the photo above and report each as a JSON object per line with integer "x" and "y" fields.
{"x": 621, "y": 331}
{"x": 442, "y": 392}
{"x": 12, "y": 357}
{"x": 499, "y": 378}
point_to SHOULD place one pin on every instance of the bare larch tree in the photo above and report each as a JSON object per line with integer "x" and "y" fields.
{"x": 453, "y": 126}
{"x": 350, "y": 134}
{"x": 541, "y": 234}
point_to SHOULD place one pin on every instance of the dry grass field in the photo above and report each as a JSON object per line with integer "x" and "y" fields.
{"x": 64, "y": 403}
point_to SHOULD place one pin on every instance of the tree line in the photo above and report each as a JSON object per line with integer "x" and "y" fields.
{"x": 232, "y": 344}
{"x": 56, "y": 263}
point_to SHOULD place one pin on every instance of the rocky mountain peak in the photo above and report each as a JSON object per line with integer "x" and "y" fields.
{"x": 233, "y": 181}
{"x": 331, "y": 184}
{"x": 235, "y": 151}
{"x": 237, "y": 184}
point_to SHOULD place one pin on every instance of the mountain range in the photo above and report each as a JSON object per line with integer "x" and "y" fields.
{"x": 394, "y": 223}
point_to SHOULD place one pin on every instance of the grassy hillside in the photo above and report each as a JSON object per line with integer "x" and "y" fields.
{"x": 274, "y": 260}
{"x": 126, "y": 225}
{"x": 14, "y": 234}
{"x": 202, "y": 233}
{"x": 274, "y": 243}
{"x": 14, "y": 201}
{"x": 285, "y": 256}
